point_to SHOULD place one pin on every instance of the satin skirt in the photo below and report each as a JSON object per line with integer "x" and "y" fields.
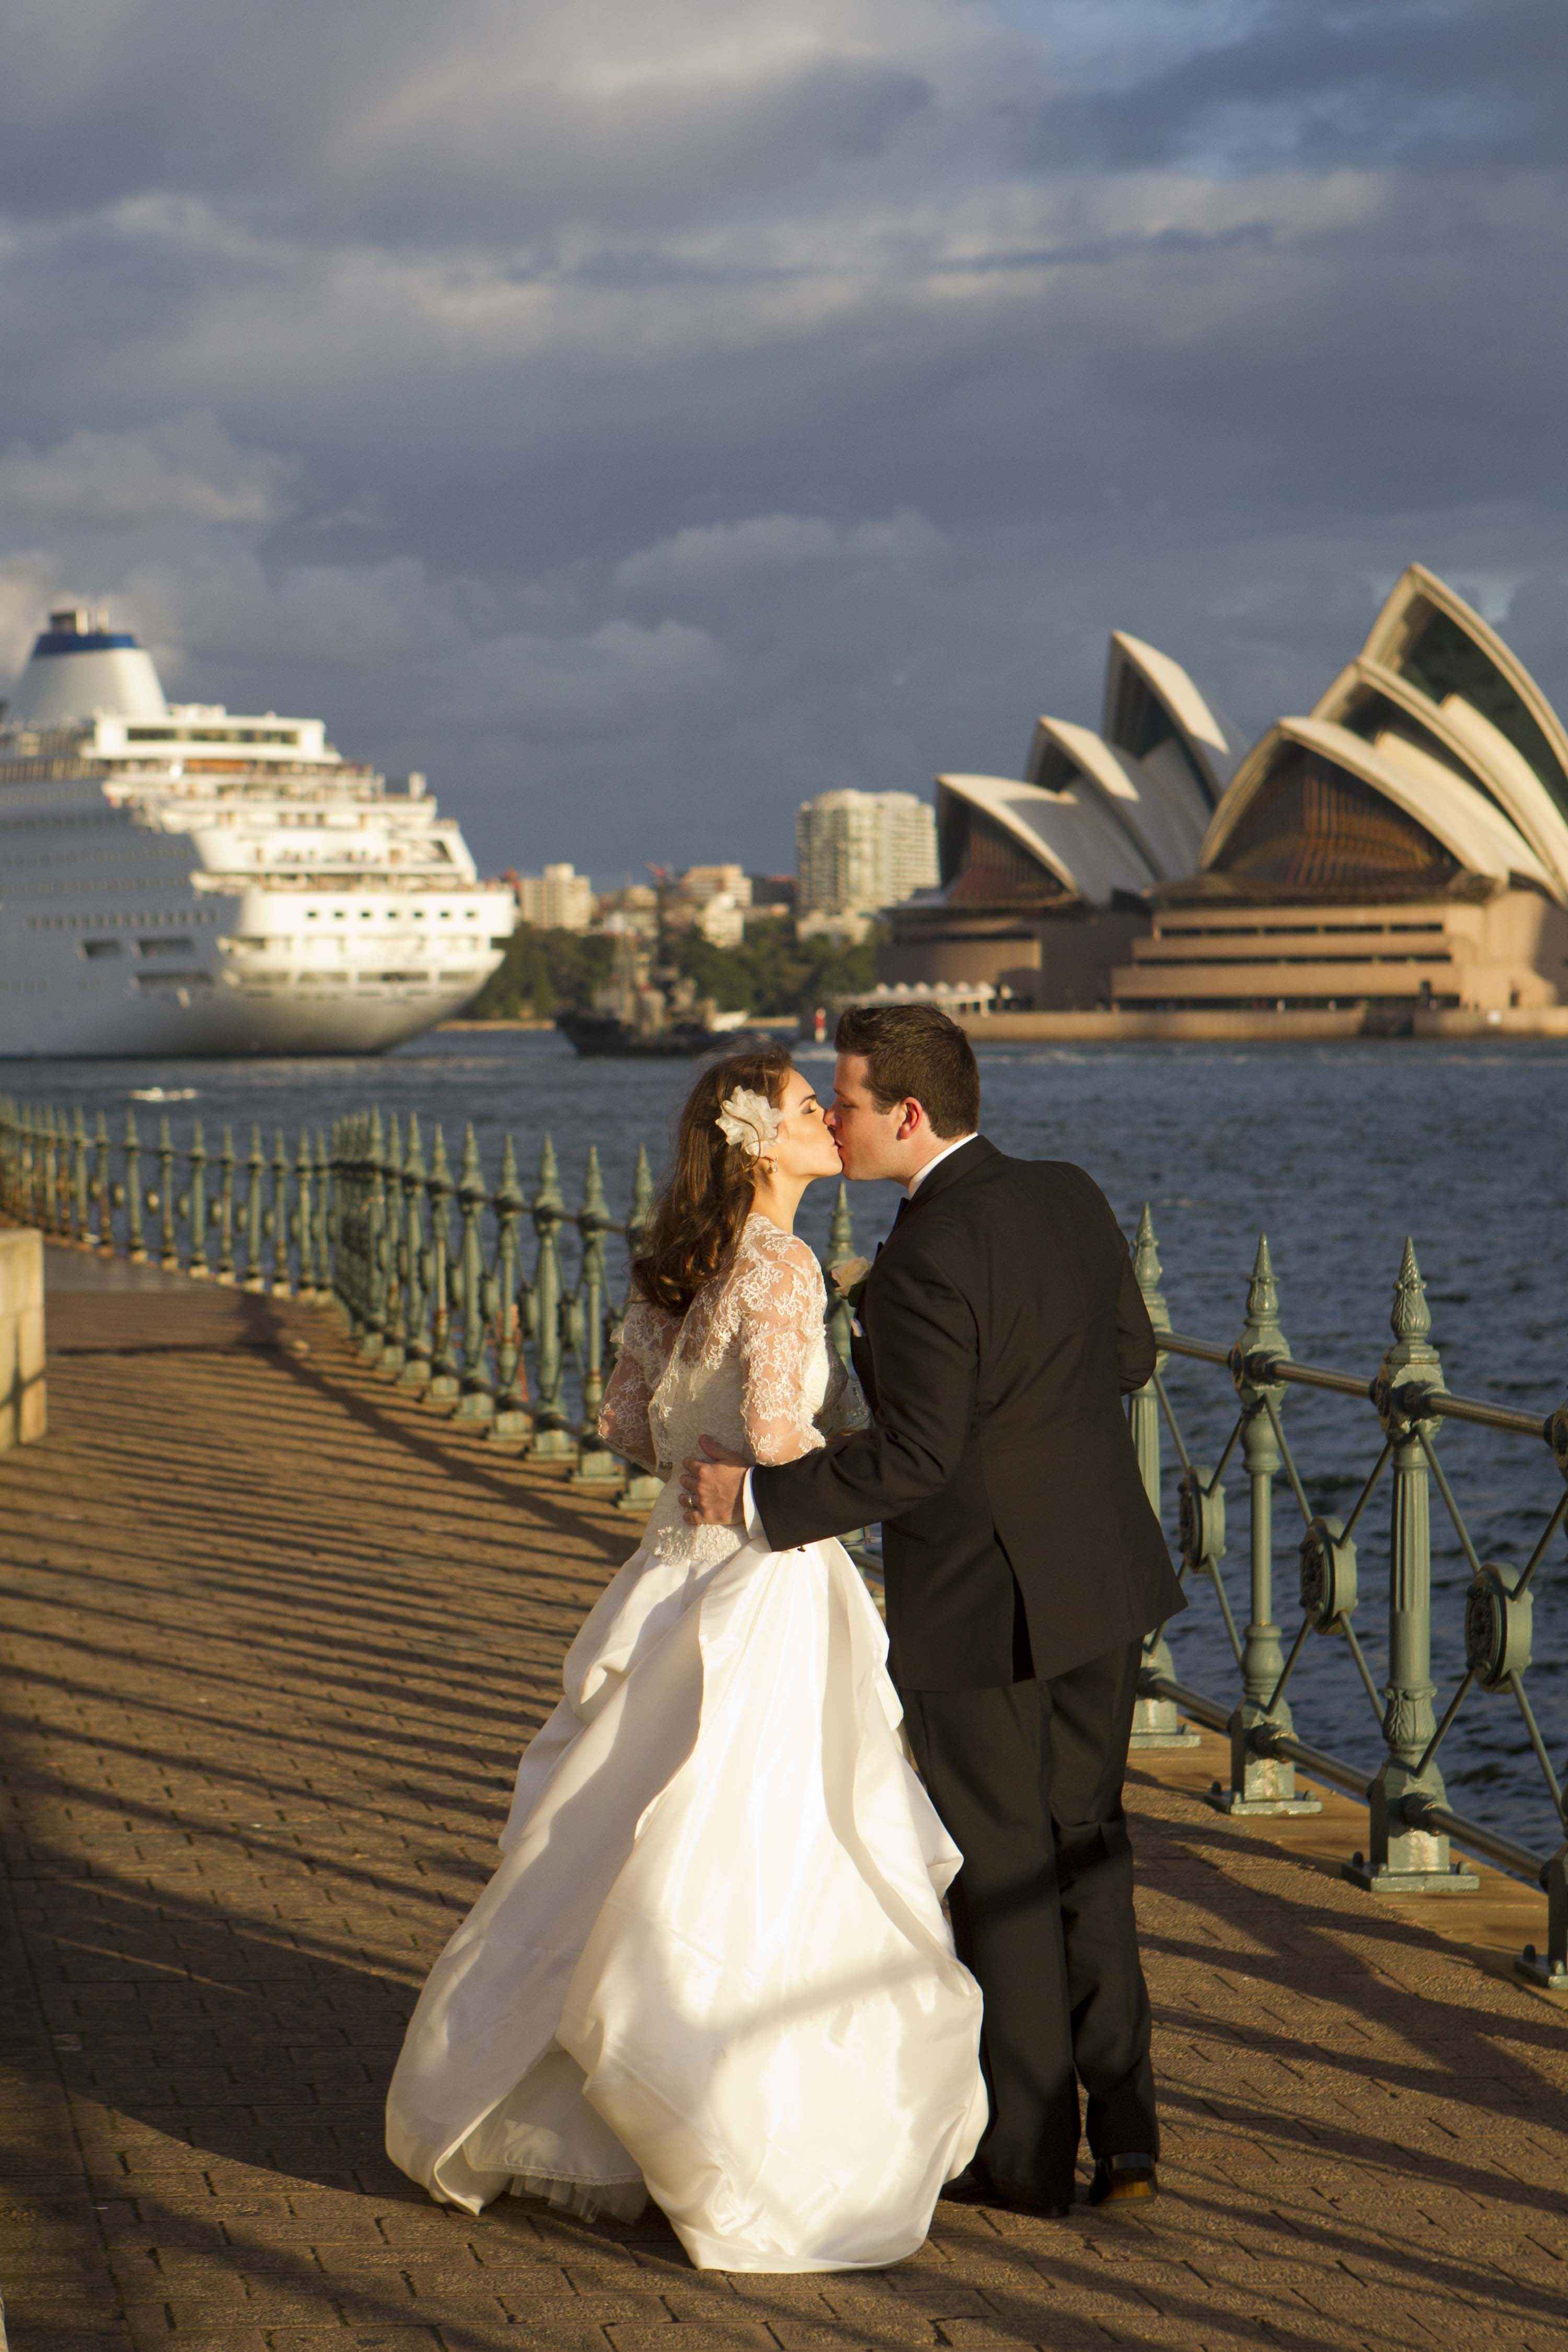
{"x": 713, "y": 1967}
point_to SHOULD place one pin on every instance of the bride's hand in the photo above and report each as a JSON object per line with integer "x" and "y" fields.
{"x": 710, "y": 1487}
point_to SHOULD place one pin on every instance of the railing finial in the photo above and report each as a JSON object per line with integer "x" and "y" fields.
{"x": 1411, "y": 1319}
{"x": 1262, "y": 1293}
{"x": 1147, "y": 1270}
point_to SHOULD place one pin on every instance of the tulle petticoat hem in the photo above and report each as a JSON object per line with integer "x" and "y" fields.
{"x": 726, "y": 2254}
{"x": 585, "y": 2200}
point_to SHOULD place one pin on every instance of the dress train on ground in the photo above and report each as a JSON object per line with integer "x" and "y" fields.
{"x": 712, "y": 1967}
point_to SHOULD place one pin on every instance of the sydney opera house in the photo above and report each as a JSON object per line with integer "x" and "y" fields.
{"x": 1400, "y": 852}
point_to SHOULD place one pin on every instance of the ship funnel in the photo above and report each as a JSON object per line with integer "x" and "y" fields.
{"x": 81, "y": 667}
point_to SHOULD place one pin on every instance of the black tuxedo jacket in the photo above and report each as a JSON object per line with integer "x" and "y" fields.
{"x": 1003, "y": 1326}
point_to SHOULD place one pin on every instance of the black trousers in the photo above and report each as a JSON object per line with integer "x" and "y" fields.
{"x": 1028, "y": 1778}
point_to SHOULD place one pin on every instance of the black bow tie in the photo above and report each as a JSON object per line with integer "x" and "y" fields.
{"x": 893, "y": 1228}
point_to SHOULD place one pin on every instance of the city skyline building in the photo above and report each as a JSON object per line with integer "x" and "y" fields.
{"x": 558, "y": 900}
{"x": 856, "y": 852}
{"x": 705, "y": 882}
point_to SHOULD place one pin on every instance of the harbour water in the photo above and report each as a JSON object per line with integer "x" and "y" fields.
{"x": 1336, "y": 1151}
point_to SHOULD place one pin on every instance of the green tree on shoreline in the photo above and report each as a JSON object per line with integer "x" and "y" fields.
{"x": 544, "y": 972}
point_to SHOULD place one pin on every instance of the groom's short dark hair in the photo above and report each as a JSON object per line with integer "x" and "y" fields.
{"x": 912, "y": 1050}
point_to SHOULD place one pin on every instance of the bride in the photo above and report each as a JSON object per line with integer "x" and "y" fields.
{"x": 712, "y": 1967}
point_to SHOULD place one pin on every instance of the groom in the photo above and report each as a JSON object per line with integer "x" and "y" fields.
{"x": 1002, "y": 1325}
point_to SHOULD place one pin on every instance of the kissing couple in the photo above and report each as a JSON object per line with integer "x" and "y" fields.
{"x": 714, "y": 1967}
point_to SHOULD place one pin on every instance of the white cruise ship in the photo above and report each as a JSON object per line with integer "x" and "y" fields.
{"x": 176, "y": 879}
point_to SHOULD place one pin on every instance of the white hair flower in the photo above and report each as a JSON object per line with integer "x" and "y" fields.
{"x": 748, "y": 1120}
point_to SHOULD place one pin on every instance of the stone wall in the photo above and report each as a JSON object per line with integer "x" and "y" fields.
{"x": 23, "y": 1410}
{"x": 1058, "y": 961}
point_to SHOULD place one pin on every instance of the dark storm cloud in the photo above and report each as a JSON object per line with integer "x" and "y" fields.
{"x": 386, "y": 117}
{"x": 1325, "y": 82}
{"x": 640, "y": 419}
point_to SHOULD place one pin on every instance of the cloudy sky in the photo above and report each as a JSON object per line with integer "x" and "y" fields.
{"x": 642, "y": 417}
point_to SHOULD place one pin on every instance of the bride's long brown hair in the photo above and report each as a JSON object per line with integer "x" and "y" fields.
{"x": 707, "y": 1196}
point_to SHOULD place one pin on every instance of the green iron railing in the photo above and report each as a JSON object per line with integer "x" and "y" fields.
{"x": 1412, "y": 1824}
{"x": 495, "y": 1304}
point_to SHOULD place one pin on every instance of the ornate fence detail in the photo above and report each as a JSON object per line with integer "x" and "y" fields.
{"x": 503, "y": 1308}
{"x": 443, "y": 1288}
{"x": 1405, "y": 1405}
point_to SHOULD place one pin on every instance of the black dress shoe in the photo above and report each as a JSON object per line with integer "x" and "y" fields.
{"x": 975, "y": 2186}
{"x": 1127, "y": 2182}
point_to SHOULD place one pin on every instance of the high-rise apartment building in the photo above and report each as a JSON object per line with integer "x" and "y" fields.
{"x": 704, "y": 882}
{"x": 856, "y": 852}
{"x": 558, "y": 900}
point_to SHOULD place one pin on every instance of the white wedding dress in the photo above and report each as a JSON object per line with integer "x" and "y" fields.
{"x": 712, "y": 1967}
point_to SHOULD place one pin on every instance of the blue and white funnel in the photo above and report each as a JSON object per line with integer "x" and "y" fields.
{"x": 79, "y": 669}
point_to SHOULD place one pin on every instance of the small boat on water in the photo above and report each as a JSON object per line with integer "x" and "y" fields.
{"x": 641, "y": 1016}
{"x": 598, "y": 1035}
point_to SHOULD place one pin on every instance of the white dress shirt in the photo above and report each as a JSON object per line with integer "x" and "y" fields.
{"x": 751, "y": 1517}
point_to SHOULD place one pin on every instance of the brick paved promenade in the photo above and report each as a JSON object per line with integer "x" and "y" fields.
{"x": 273, "y": 1638}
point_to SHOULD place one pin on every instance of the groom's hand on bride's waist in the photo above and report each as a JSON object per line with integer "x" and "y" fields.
{"x": 710, "y": 1487}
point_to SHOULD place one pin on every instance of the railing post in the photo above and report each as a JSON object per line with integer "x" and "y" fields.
{"x": 510, "y": 1425}
{"x": 373, "y": 1337}
{"x": 254, "y": 1163}
{"x": 30, "y": 1160}
{"x": 280, "y": 1285}
{"x": 840, "y": 1249}
{"x": 32, "y": 1164}
{"x": 50, "y": 1220}
{"x": 477, "y": 1402}
{"x": 29, "y": 1212}
{"x": 597, "y": 1466}
{"x": 65, "y": 1193}
{"x": 104, "y": 1188}
{"x": 168, "y": 1236}
{"x": 304, "y": 1221}
{"x": 1550, "y": 1968}
{"x": 395, "y": 1351}
{"x": 81, "y": 1182}
{"x": 21, "y": 1206}
{"x": 1155, "y": 1722}
{"x": 135, "y": 1246}
{"x": 552, "y": 1439}
{"x": 198, "y": 1158}
{"x": 323, "y": 1220}
{"x": 415, "y": 1372}
{"x": 443, "y": 1382}
{"x": 1260, "y": 1783}
{"x": 1403, "y": 1859}
{"x": 643, "y": 1487}
{"x": 341, "y": 1219}
{"x": 224, "y": 1270}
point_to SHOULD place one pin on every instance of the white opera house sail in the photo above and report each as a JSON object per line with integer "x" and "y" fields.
{"x": 176, "y": 879}
{"x": 1047, "y": 878}
{"x": 1398, "y": 853}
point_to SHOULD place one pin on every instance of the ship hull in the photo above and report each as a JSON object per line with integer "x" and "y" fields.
{"x": 226, "y": 1026}
{"x": 303, "y": 967}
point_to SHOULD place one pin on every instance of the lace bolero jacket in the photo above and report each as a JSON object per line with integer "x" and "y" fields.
{"x": 748, "y": 1364}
